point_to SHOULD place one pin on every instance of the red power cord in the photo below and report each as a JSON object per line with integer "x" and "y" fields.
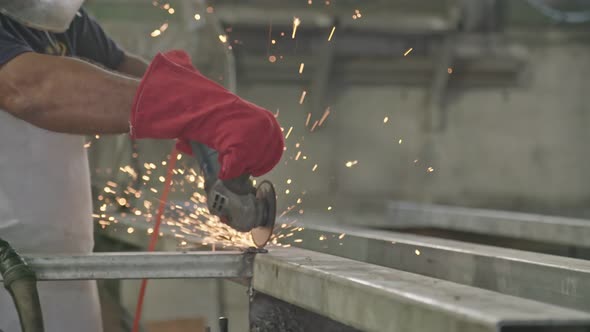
{"x": 155, "y": 233}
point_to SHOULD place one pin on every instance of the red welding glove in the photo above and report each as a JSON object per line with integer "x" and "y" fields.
{"x": 175, "y": 101}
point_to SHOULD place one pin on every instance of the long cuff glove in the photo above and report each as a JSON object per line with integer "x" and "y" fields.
{"x": 175, "y": 101}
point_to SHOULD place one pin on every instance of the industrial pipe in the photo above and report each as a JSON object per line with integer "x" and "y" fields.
{"x": 21, "y": 283}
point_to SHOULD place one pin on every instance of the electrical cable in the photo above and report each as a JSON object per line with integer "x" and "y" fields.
{"x": 155, "y": 234}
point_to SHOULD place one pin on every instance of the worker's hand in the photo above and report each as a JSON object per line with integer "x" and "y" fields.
{"x": 175, "y": 101}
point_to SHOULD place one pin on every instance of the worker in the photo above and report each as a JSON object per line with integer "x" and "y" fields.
{"x": 62, "y": 77}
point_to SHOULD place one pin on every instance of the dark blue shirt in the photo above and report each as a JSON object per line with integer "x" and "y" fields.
{"x": 83, "y": 39}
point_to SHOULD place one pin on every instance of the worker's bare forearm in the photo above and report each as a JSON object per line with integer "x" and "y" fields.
{"x": 66, "y": 95}
{"x": 133, "y": 66}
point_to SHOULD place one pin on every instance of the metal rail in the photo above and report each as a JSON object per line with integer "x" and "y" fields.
{"x": 547, "y": 229}
{"x": 424, "y": 283}
{"x": 374, "y": 298}
{"x": 155, "y": 265}
{"x": 552, "y": 279}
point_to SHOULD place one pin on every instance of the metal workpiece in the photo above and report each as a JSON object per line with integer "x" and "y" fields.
{"x": 551, "y": 279}
{"x": 154, "y": 265}
{"x": 525, "y": 226}
{"x": 374, "y": 298}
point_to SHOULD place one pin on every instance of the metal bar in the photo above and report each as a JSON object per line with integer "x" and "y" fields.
{"x": 552, "y": 279}
{"x": 374, "y": 298}
{"x": 157, "y": 265}
{"x": 556, "y": 230}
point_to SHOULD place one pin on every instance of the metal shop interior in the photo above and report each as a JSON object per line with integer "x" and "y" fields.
{"x": 294, "y": 165}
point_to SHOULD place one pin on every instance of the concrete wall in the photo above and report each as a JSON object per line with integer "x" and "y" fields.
{"x": 521, "y": 148}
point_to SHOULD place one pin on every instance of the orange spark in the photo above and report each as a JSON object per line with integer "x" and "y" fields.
{"x": 302, "y": 99}
{"x": 351, "y": 163}
{"x": 314, "y": 125}
{"x": 289, "y": 132}
{"x": 324, "y": 117}
{"x": 332, "y": 33}
{"x": 296, "y": 23}
{"x": 308, "y": 118}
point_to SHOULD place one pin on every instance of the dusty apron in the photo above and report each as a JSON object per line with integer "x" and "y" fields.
{"x": 45, "y": 207}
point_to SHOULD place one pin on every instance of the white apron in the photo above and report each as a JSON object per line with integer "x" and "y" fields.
{"x": 46, "y": 208}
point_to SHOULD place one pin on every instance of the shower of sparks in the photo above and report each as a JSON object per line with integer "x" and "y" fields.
{"x": 351, "y": 163}
{"x": 332, "y": 33}
{"x": 417, "y": 252}
{"x": 289, "y": 132}
{"x": 302, "y": 99}
{"x": 400, "y": 141}
{"x": 324, "y": 117}
{"x": 193, "y": 218}
{"x": 296, "y": 23}
{"x": 409, "y": 51}
{"x": 341, "y": 236}
{"x": 386, "y": 119}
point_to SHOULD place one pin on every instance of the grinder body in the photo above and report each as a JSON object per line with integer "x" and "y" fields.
{"x": 237, "y": 202}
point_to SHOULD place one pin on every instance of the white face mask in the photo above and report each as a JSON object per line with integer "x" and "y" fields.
{"x": 47, "y": 15}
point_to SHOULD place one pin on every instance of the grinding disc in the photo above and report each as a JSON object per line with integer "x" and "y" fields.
{"x": 265, "y": 195}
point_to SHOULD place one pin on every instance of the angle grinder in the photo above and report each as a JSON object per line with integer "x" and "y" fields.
{"x": 237, "y": 202}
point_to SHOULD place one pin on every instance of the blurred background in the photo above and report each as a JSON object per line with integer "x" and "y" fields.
{"x": 478, "y": 104}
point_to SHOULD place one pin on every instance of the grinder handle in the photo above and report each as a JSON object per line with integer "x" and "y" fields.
{"x": 209, "y": 164}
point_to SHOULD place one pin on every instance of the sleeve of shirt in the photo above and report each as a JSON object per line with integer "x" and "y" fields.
{"x": 11, "y": 46}
{"x": 93, "y": 43}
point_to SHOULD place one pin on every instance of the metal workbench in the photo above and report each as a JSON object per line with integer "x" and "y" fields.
{"x": 357, "y": 279}
{"x": 360, "y": 295}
